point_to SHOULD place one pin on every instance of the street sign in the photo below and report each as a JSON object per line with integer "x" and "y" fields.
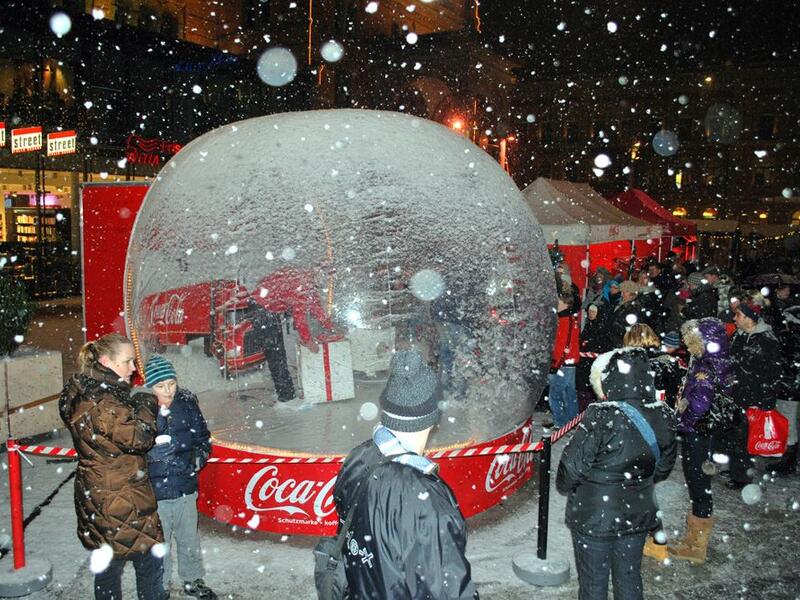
{"x": 26, "y": 139}
{"x": 2, "y": 134}
{"x": 62, "y": 142}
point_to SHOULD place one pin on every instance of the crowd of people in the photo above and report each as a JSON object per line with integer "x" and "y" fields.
{"x": 673, "y": 355}
{"x": 646, "y": 358}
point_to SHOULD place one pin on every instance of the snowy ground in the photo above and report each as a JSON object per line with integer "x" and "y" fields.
{"x": 753, "y": 553}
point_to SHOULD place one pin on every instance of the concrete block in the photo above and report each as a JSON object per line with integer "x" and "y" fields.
{"x": 26, "y": 378}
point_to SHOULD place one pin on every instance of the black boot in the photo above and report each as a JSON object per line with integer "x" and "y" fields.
{"x": 198, "y": 589}
{"x": 787, "y": 464}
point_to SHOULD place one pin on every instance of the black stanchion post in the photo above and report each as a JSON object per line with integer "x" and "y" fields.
{"x": 537, "y": 570}
{"x": 544, "y": 497}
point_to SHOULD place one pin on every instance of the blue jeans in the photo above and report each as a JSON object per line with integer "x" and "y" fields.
{"x": 179, "y": 521}
{"x": 108, "y": 583}
{"x": 596, "y": 557}
{"x": 563, "y": 395}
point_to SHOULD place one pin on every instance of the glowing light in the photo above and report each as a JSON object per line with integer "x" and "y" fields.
{"x": 680, "y": 211}
{"x": 710, "y": 213}
{"x": 60, "y": 23}
{"x": 762, "y": 215}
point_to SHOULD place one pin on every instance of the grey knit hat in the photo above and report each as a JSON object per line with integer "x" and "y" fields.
{"x": 696, "y": 279}
{"x": 410, "y": 400}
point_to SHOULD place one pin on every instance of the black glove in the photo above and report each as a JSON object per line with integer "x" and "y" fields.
{"x": 161, "y": 452}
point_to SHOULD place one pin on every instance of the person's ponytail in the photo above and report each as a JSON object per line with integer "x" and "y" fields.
{"x": 90, "y": 353}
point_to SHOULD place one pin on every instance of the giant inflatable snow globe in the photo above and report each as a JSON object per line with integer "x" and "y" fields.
{"x": 279, "y": 262}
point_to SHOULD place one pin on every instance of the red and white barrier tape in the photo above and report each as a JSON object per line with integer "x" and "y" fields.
{"x": 294, "y": 460}
{"x": 589, "y": 354}
{"x": 566, "y": 428}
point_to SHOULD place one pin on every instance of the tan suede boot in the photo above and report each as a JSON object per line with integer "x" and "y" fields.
{"x": 653, "y": 550}
{"x": 694, "y": 543}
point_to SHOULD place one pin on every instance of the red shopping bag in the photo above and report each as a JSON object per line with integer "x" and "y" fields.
{"x": 767, "y": 432}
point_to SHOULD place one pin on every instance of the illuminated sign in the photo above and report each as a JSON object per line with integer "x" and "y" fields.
{"x": 2, "y": 134}
{"x": 149, "y": 152}
{"x": 62, "y": 142}
{"x": 26, "y": 139}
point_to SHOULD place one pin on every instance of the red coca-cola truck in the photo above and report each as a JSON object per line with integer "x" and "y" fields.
{"x": 216, "y": 311}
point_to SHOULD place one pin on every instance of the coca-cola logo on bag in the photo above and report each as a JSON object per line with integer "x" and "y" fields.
{"x": 506, "y": 469}
{"x": 269, "y": 490}
{"x": 768, "y": 446}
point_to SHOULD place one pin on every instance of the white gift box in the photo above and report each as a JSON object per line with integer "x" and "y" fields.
{"x": 372, "y": 349}
{"x": 327, "y": 375}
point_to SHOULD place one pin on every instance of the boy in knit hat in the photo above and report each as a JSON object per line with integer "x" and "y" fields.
{"x": 181, "y": 451}
{"x": 407, "y": 537}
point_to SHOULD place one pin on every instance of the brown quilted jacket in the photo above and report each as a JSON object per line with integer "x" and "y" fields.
{"x": 112, "y": 432}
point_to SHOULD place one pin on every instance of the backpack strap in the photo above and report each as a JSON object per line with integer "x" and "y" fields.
{"x": 643, "y": 426}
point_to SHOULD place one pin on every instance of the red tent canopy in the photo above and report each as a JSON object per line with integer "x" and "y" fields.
{"x": 639, "y": 204}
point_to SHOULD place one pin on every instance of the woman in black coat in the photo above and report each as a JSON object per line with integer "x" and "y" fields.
{"x": 594, "y": 338}
{"x": 608, "y": 470}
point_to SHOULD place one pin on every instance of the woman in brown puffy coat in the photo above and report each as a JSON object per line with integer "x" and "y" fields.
{"x": 115, "y": 504}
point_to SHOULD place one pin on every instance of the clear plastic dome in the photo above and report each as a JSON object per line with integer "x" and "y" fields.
{"x": 359, "y": 233}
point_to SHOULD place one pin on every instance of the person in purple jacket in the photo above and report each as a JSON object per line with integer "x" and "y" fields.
{"x": 709, "y": 367}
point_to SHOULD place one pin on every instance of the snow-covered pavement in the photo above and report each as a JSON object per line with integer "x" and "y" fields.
{"x": 753, "y": 553}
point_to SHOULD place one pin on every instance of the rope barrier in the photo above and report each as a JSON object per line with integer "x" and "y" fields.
{"x": 70, "y": 453}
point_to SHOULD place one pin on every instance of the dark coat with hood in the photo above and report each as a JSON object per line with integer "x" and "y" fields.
{"x": 408, "y": 535}
{"x": 668, "y": 373}
{"x": 173, "y": 466}
{"x": 704, "y": 303}
{"x": 707, "y": 371}
{"x": 758, "y": 367}
{"x": 607, "y": 470}
{"x": 623, "y": 317}
{"x": 111, "y": 432}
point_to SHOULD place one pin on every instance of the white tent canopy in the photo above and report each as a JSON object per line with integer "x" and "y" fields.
{"x": 575, "y": 214}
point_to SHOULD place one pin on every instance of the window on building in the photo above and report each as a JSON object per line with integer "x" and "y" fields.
{"x": 685, "y": 127}
{"x": 762, "y": 176}
{"x": 256, "y": 12}
{"x": 713, "y": 176}
{"x": 767, "y": 127}
{"x": 547, "y": 133}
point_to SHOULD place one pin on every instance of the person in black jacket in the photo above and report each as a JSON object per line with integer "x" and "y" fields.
{"x": 593, "y": 339}
{"x": 408, "y": 537}
{"x": 267, "y": 326}
{"x": 668, "y": 370}
{"x": 608, "y": 471}
{"x": 704, "y": 300}
{"x": 626, "y": 314}
{"x": 182, "y": 449}
{"x": 757, "y": 368}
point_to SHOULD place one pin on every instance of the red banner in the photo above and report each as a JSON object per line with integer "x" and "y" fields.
{"x": 108, "y": 211}
{"x": 298, "y": 498}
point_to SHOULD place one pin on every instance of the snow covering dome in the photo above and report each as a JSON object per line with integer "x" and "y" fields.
{"x": 372, "y": 231}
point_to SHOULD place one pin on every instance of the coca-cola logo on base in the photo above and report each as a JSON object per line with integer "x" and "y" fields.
{"x": 506, "y": 469}
{"x": 269, "y": 491}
